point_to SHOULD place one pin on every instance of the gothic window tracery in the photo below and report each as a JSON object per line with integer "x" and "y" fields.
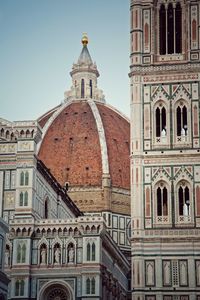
{"x": 161, "y": 202}
{"x": 24, "y": 178}
{"x": 184, "y": 203}
{"x": 21, "y": 253}
{"x": 56, "y": 292}
{"x": 181, "y": 120}
{"x": 23, "y": 199}
{"x": 184, "y": 200}
{"x": 160, "y": 116}
{"x": 19, "y": 287}
{"x": 91, "y": 251}
{"x": 170, "y": 27}
{"x": 90, "y": 286}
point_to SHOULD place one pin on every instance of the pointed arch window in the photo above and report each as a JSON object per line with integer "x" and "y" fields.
{"x": 21, "y": 253}
{"x": 184, "y": 200}
{"x": 170, "y": 27}
{"x": 93, "y": 286}
{"x": 23, "y": 199}
{"x": 90, "y": 286}
{"x": 19, "y": 288}
{"x": 93, "y": 251}
{"x": 26, "y": 178}
{"x": 162, "y": 201}
{"x": 26, "y": 198}
{"x": 82, "y": 88}
{"x": 88, "y": 251}
{"x": 162, "y": 30}
{"x": 160, "y": 117}
{"x": 178, "y": 28}
{"x": 22, "y": 178}
{"x": 181, "y": 120}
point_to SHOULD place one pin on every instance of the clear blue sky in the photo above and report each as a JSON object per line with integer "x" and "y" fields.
{"x": 40, "y": 40}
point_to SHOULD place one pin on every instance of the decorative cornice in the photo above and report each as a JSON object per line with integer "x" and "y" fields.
{"x": 148, "y": 70}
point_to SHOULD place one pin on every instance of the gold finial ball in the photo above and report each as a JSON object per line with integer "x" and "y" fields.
{"x": 84, "y": 39}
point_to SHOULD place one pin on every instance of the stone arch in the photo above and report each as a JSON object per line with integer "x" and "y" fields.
{"x": 160, "y": 105}
{"x": 184, "y": 200}
{"x": 161, "y": 200}
{"x": 53, "y": 289}
{"x": 181, "y": 116}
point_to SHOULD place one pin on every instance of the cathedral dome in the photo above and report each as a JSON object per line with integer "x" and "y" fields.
{"x": 86, "y": 144}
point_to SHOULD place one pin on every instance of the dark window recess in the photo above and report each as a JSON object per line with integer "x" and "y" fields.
{"x": 91, "y": 92}
{"x": 162, "y": 30}
{"x": 82, "y": 88}
{"x": 170, "y": 29}
{"x": 180, "y": 195}
{"x": 178, "y": 28}
{"x": 160, "y": 120}
{"x": 178, "y": 120}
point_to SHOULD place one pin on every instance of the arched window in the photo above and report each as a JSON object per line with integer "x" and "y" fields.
{"x": 170, "y": 29}
{"x": 90, "y": 88}
{"x": 21, "y": 199}
{"x": 82, "y": 88}
{"x": 160, "y": 117}
{"x": 88, "y": 251}
{"x": 178, "y": 28}
{"x": 162, "y": 30}
{"x": 181, "y": 120}
{"x": 162, "y": 201}
{"x": 2, "y": 132}
{"x": 170, "y": 26}
{"x": 93, "y": 251}
{"x": 22, "y": 178}
{"x": 184, "y": 200}
{"x": 26, "y": 198}
{"x": 21, "y": 253}
{"x": 88, "y": 286}
{"x": 93, "y": 286}
{"x": 26, "y": 178}
{"x": 19, "y": 288}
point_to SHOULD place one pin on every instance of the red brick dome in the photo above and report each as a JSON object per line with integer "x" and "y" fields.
{"x": 73, "y": 146}
{"x": 85, "y": 142}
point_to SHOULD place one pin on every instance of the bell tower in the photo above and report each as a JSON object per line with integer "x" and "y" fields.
{"x": 165, "y": 150}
